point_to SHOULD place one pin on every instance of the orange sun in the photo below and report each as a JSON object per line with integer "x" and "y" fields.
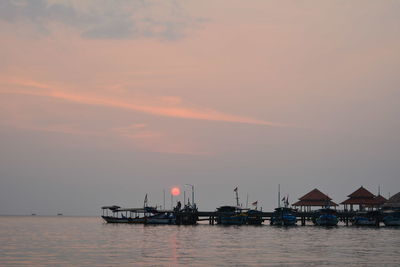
{"x": 175, "y": 191}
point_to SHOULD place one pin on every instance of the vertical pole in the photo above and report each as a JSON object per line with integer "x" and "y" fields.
{"x": 164, "y": 198}
{"x": 193, "y": 195}
{"x": 279, "y": 195}
{"x": 237, "y": 197}
{"x": 184, "y": 198}
{"x": 172, "y": 201}
{"x": 247, "y": 200}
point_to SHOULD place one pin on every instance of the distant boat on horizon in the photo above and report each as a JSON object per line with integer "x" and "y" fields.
{"x": 59, "y": 214}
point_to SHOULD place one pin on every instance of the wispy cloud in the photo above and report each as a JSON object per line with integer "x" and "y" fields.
{"x": 168, "y": 107}
{"x": 103, "y": 19}
{"x": 55, "y": 128}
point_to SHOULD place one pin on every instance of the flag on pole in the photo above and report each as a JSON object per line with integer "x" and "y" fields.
{"x": 235, "y": 189}
{"x": 254, "y": 203}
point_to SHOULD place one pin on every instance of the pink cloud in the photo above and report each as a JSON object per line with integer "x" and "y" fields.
{"x": 167, "y": 107}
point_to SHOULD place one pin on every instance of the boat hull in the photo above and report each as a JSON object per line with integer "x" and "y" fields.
{"x": 361, "y": 221}
{"x": 391, "y": 221}
{"x": 160, "y": 221}
{"x": 239, "y": 219}
{"x": 283, "y": 222}
{"x": 254, "y": 217}
{"x": 110, "y": 219}
{"x": 327, "y": 220}
{"x": 283, "y": 216}
{"x": 167, "y": 218}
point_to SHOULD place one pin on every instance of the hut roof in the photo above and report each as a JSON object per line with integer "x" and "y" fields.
{"x": 361, "y": 193}
{"x": 315, "y": 198}
{"x": 362, "y": 201}
{"x": 393, "y": 202}
{"x": 380, "y": 199}
{"x": 363, "y": 197}
{"x": 316, "y": 203}
{"x": 315, "y": 194}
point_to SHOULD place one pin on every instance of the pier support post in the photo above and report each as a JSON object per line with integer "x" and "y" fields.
{"x": 303, "y": 221}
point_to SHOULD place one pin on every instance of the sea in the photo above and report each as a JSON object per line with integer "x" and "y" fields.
{"x": 88, "y": 241}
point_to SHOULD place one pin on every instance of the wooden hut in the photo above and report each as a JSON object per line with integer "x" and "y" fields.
{"x": 393, "y": 202}
{"x": 314, "y": 198}
{"x": 364, "y": 199}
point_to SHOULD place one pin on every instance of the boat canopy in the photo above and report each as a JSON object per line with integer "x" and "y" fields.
{"x": 114, "y": 207}
{"x": 229, "y": 209}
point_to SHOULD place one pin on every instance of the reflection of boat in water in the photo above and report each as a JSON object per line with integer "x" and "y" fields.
{"x": 326, "y": 217}
{"x": 231, "y": 215}
{"x": 283, "y": 216}
{"x": 391, "y": 217}
{"x": 363, "y": 218}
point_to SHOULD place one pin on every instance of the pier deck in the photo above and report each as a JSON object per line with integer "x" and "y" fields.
{"x": 343, "y": 216}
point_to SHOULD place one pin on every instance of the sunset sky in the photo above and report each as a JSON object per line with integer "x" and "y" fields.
{"x": 104, "y": 101}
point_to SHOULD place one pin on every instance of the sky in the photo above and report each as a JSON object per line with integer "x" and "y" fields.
{"x": 104, "y": 101}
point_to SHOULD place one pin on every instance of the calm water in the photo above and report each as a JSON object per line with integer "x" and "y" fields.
{"x": 87, "y": 241}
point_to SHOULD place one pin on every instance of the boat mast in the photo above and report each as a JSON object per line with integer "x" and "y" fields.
{"x": 237, "y": 196}
{"x": 164, "y": 198}
{"x": 192, "y": 186}
{"x": 279, "y": 195}
{"x": 172, "y": 201}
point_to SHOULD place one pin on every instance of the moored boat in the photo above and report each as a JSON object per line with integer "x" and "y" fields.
{"x": 161, "y": 218}
{"x": 326, "y": 217}
{"x": 366, "y": 218}
{"x": 231, "y": 215}
{"x": 131, "y": 215}
{"x": 391, "y": 217}
{"x": 254, "y": 217}
{"x": 283, "y": 216}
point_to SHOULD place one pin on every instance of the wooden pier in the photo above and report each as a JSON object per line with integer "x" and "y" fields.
{"x": 189, "y": 216}
{"x": 302, "y": 217}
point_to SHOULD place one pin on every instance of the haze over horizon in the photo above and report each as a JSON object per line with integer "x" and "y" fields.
{"x": 102, "y": 102}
